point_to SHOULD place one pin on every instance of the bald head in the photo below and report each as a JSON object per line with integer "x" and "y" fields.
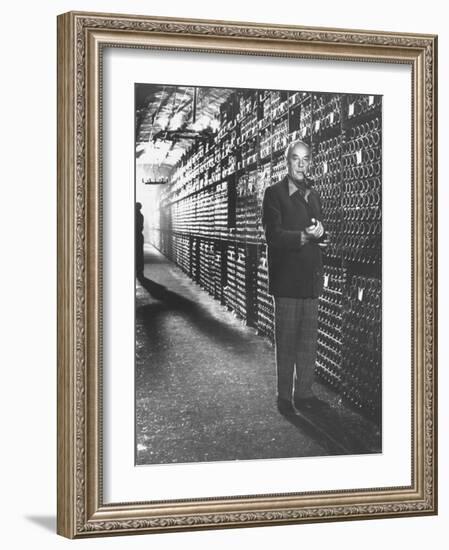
{"x": 297, "y": 157}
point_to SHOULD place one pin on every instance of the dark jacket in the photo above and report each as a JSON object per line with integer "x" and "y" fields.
{"x": 294, "y": 270}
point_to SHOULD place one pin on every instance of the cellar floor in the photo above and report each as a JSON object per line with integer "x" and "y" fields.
{"x": 205, "y": 384}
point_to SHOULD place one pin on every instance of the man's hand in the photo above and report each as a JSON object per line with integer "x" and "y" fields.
{"x": 315, "y": 230}
{"x": 304, "y": 238}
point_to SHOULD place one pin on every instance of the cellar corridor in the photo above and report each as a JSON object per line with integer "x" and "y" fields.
{"x": 206, "y": 384}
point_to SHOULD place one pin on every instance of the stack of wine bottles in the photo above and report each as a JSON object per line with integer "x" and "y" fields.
{"x": 265, "y": 308}
{"x": 330, "y": 336}
{"x": 362, "y": 344}
{"x": 362, "y": 192}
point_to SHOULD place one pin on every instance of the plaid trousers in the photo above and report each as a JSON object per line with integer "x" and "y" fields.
{"x": 296, "y": 333}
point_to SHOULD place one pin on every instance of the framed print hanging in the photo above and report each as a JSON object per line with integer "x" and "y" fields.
{"x": 246, "y": 274}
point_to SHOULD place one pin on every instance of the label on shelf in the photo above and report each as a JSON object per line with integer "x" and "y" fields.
{"x": 351, "y": 109}
{"x": 370, "y": 100}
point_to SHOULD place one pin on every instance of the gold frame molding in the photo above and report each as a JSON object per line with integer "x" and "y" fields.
{"x": 81, "y": 37}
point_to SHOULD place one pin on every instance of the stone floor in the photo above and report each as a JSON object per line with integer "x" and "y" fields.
{"x": 205, "y": 384}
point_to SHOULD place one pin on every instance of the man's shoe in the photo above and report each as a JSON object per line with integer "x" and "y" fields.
{"x": 307, "y": 404}
{"x": 285, "y": 407}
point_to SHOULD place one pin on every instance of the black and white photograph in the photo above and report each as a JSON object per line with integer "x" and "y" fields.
{"x": 258, "y": 254}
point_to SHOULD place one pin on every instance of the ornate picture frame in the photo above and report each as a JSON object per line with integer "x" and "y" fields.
{"x": 82, "y": 38}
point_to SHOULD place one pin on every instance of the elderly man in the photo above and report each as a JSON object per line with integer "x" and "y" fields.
{"x": 292, "y": 222}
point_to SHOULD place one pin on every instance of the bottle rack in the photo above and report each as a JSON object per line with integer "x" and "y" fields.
{"x": 265, "y": 307}
{"x": 330, "y": 363}
{"x": 362, "y": 344}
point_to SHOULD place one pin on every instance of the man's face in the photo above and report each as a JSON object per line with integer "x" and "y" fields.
{"x": 298, "y": 162}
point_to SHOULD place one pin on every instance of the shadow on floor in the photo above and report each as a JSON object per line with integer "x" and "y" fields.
{"x": 307, "y": 425}
{"x": 336, "y": 429}
{"x": 154, "y": 289}
{"x": 169, "y": 301}
{"x": 334, "y": 426}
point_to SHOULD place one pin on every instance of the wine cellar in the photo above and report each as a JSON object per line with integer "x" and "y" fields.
{"x": 209, "y": 221}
